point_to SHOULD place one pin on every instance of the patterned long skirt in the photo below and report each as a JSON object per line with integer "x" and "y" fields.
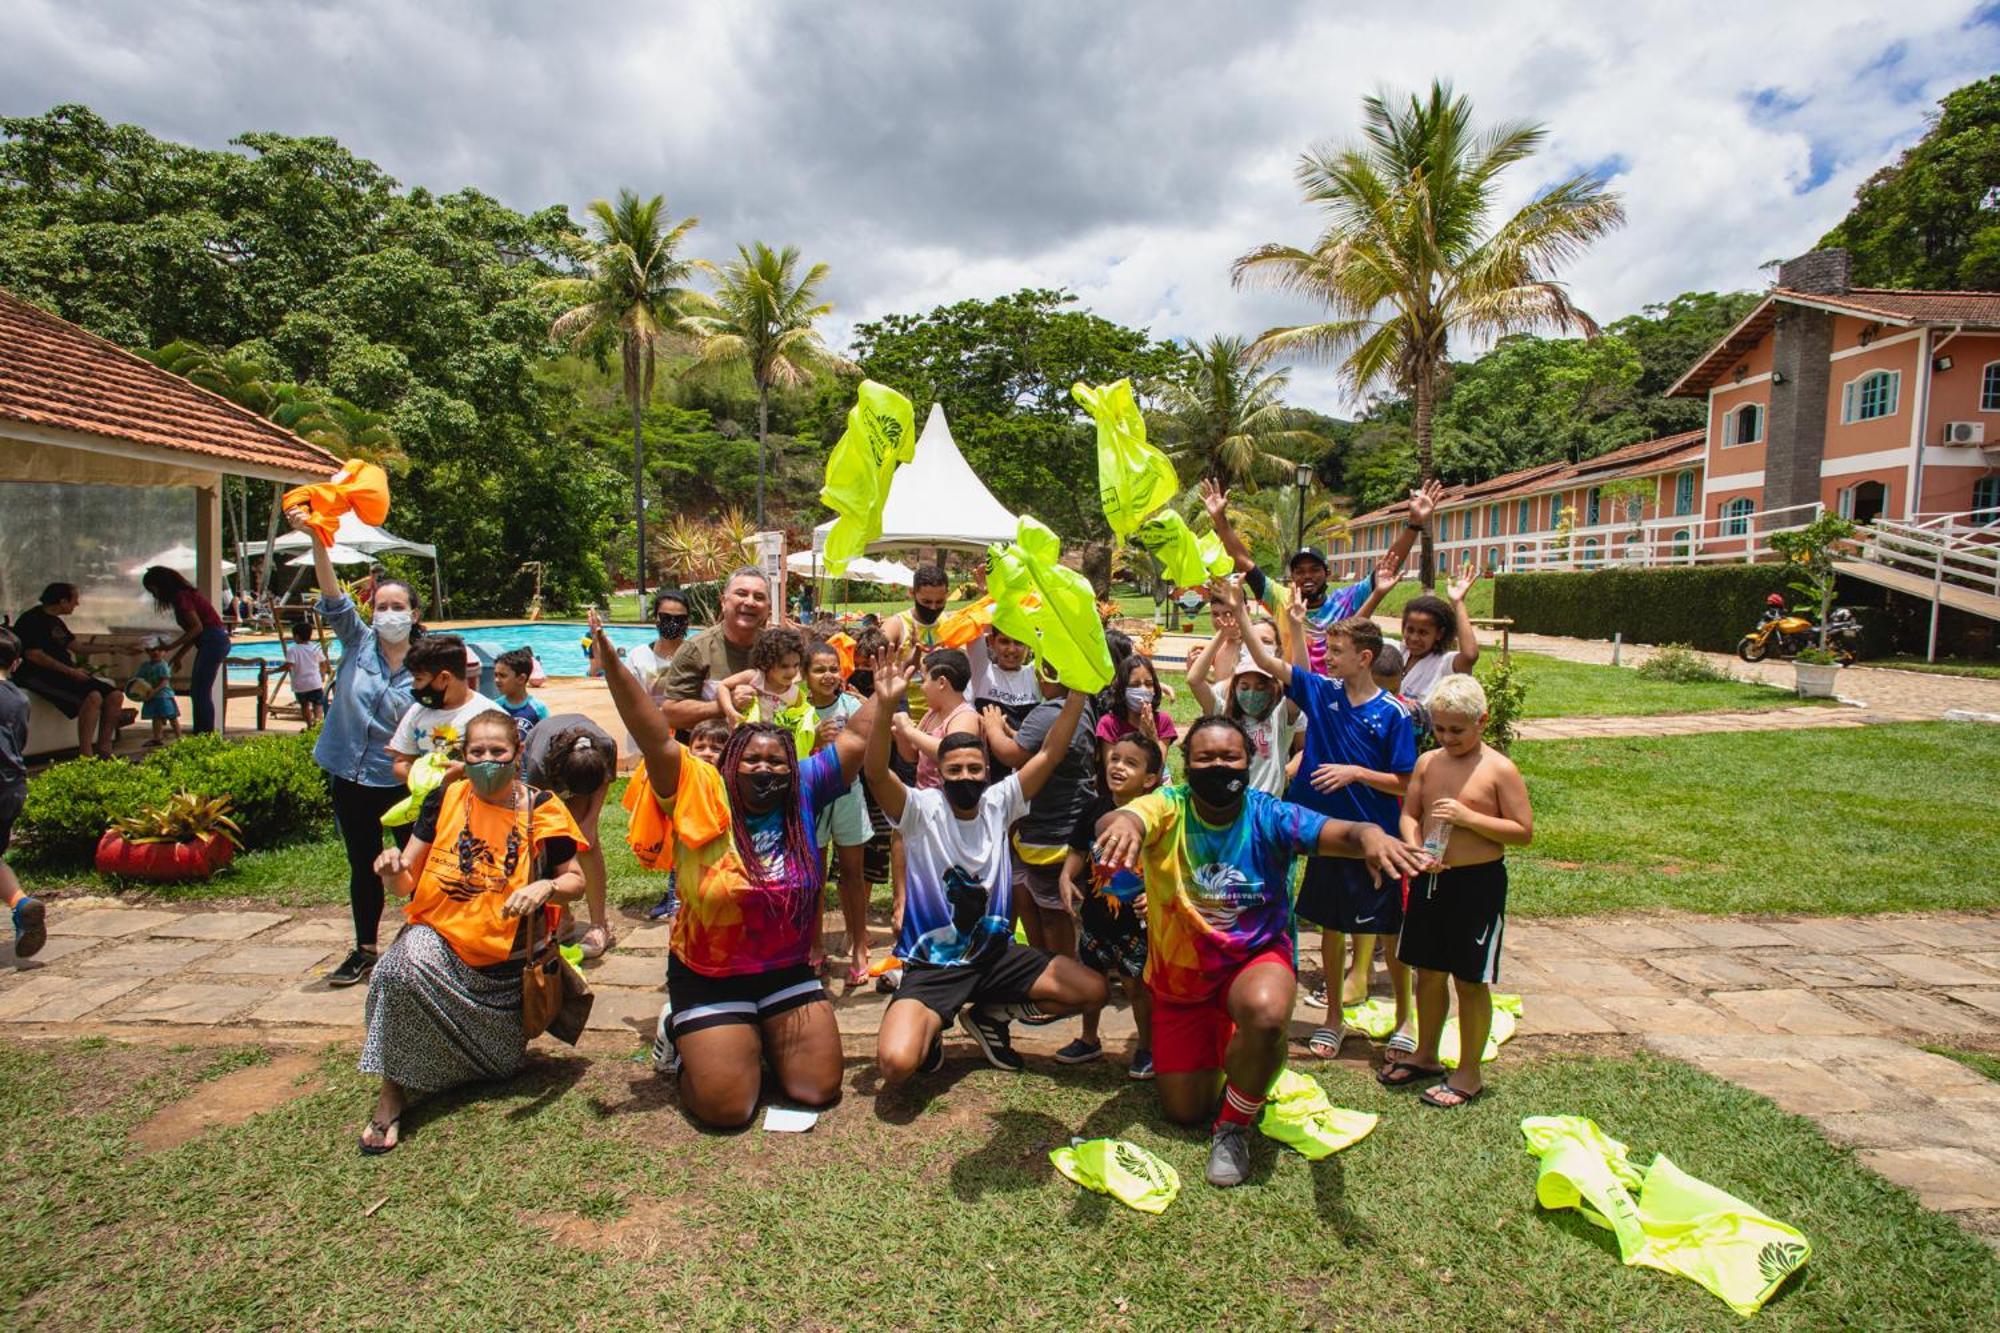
{"x": 435, "y": 1022}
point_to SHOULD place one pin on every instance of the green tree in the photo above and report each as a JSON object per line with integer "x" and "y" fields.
{"x": 1669, "y": 337}
{"x": 1932, "y": 219}
{"x": 761, "y": 318}
{"x": 1223, "y": 419}
{"x": 1407, "y": 258}
{"x": 1535, "y": 400}
{"x": 635, "y": 296}
{"x": 1003, "y": 370}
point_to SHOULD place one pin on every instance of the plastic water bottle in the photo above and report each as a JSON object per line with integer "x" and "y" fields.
{"x": 1437, "y": 836}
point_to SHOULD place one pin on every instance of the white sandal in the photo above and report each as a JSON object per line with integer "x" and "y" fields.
{"x": 596, "y": 941}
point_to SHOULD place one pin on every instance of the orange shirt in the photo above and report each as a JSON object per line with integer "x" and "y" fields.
{"x": 472, "y": 869}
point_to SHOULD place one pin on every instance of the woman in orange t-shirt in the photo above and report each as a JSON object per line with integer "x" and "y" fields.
{"x": 444, "y": 1003}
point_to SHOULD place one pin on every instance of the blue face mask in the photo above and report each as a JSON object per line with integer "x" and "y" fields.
{"x": 490, "y": 777}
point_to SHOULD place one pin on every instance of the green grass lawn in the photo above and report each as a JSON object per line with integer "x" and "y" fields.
{"x": 1944, "y": 666}
{"x": 1816, "y": 821}
{"x": 1984, "y": 1063}
{"x": 579, "y": 1194}
{"x": 1559, "y": 688}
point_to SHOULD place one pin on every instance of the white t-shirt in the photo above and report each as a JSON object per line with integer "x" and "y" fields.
{"x": 651, "y": 669}
{"x": 1422, "y": 676}
{"x": 304, "y": 659}
{"x": 945, "y": 855}
{"x": 1271, "y": 746}
{"x": 1015, "y": 691}
{"x": 423, "y": 730}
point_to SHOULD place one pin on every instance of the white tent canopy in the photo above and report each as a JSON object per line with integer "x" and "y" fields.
{"x": 340, "y": 555}
{"x": 861, "y": 569}
{"x": 355, "y": 536}
{"x": 938, "y": 500}
{"x": 181, "y": 559}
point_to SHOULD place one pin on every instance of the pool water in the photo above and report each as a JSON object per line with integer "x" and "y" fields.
{"x": 556, "y": 644}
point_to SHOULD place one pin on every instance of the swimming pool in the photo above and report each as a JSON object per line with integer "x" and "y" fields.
{"x": 556, "y": 644}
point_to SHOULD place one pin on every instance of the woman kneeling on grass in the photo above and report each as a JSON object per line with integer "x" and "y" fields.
{"x": 444, "y": 1003}
{"x": 1216, "y": 859}
{"x": 741, "y": 835}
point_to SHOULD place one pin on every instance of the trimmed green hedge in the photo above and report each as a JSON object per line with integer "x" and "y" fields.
{"x": 1709, "y": 606}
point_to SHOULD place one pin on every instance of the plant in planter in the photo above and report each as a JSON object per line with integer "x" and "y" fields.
{"x": 1814, "y": 671}
{"x": 1810, "y": 551}
{"x": 187, "y": 837}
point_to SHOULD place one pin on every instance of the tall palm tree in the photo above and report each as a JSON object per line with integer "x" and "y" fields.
{"x": 1407, "y": 258}
{"x": 635, "y": 294}
{"x": 1269, "y": 521}
{"x": 761, "y": 317}
{"x": 1224, "y": 420}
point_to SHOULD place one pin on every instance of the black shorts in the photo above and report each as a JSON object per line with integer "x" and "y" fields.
{"x": 1113, "y": 944}
{"x": 1338, "y": 893}
{"x": 317, "y": 698}
{"x": 701, "y": 1001}
{"x": 10, "y": 810}
{"x": 1455, "y": 922}
{"x": 1001, "y": 976}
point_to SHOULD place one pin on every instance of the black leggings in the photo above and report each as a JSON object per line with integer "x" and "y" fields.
{"x": 358, "y": 811}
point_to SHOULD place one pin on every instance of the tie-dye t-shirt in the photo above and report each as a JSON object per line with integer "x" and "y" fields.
{"x": 727, "y": 925}
{"x": 1337, "y": 605}
{"x": 1216, "y": 897}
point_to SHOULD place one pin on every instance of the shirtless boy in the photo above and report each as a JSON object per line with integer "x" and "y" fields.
{"x": 1457, "y": 911}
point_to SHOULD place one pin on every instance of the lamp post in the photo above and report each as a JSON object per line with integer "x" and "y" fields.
{"x": 1302, "y": 476}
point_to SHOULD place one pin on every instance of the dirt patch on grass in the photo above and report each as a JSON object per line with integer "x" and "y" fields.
{"x": 647, "y": 1228}
{"x": 229, "y": 1100}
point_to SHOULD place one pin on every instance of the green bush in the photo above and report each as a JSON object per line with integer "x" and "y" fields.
{"x": 1506, "y": 696}
{"x": 277, "y": 793}
{"x": 1707, "y": 606}
{"x": 70, "y": 805}
{"x": 1681, "y": 664}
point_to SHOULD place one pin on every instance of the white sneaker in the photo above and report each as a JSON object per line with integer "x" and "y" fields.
{"x": 666, "y": 1055}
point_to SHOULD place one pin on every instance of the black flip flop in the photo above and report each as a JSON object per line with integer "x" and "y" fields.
{"x": 1413, "y": 1074}
{"x": 394, "y": 1126}
{"x": 1429, "y": 1096}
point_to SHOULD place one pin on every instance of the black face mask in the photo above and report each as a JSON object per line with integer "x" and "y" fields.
{"x": 671, "y": 627}
{"x": 926, "y": 615}
{"x": 768, "y": 788}
{"x": 863, "y": 682}
{"x": 430, "y": 696}
{"x": 964, "y": 793}
{"x": 1219, "y": 785}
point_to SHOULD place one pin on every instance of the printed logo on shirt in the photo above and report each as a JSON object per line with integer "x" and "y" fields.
{"x": 1223, "y": 892}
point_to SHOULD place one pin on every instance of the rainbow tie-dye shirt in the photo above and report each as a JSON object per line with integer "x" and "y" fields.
{"x": 1216, "y": 897}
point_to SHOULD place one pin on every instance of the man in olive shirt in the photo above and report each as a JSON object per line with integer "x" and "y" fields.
{"x": 718, "y": 652}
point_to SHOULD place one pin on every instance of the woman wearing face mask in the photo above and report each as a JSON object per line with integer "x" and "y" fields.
{"x": 742, "y": 835}
{"x": 1269, "y": 719}
{"x": 370, "y": 695}
{"x": 1216, "y": 859}
{"x": 444, "y": 1006}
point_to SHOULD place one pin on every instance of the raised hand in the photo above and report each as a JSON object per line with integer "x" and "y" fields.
{"x": 297, "y": 516}
{"x": 1424, "y": 501}
{"x": 891, "y": 682}
{"x": 1215, "y": 499}
{"x": 1468, "y": 575}
{"x": 1388, "y": 573}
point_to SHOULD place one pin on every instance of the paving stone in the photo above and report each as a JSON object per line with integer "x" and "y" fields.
{"x": 1599, "y": 977}
{"x": 620, "y": 1009}
{"x": 618, "y": 969}
{"x": 43, "y": 998}
{"x": 148, "y": 959}
{"x": 1935, "y": 932}
{"x": 1934, "y": 970}
{"x": 1837, "y": 935}
{"x": 54, "y": 949}
{"x": 192, "y": 1002}
{"x": 322, "y": 930}
{"x": 268, "y": 960}
{"x": 110, "y": 922}
{"x": 224, "y": 926}
{"x": 1919, "y": 1013}
{"x": 1991, "y": 960}
{"x": 1803, "y": 1087}
{"x": 1924, "y": 1075}
{"x": 1556, "y": 1014}
{"x": 1947, "y": 1179}
{"x": 320, "y": 1005}
{"x": 1716, "y": 971}
{"x": 654, "y": 936}
{"x": 1548, "y": 942}
{"x": 1637, "y": 938}
{"x": 1664, "y": 1014}
{"x": 1828, "y": 971}
{"x": 1989, "y": 1000}
{"x": 1722, "y": 933}
{"x": 1911, "y": 1127}
{"x": 1793, "y": 1011}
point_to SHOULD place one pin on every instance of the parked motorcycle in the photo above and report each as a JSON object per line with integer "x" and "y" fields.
{"x": 1785, "y": 635}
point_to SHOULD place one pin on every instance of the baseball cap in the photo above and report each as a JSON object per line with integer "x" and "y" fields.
{"x": 1306, "y": 553}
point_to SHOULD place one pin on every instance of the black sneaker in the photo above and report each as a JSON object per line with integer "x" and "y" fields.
{"x": 995, "y": 1042}
{"x": 1079, "y": 1052}
{"x": 1142, "y": 1064}
{"x": 353, "y": 969}
{"x": 934, "y": 1057}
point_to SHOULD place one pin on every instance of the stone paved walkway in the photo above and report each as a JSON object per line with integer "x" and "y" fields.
{"x": 1822, "y": 1015}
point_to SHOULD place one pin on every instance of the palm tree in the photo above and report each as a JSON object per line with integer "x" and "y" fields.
{"x": 1407, "y": 258}
{"x": 1269, "y": 521}
{"x": 635, "y": 294}
{"x": 761, "y": 317}
{"x": 1223, "y": 420}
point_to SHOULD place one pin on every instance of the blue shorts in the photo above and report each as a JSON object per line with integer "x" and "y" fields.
{"x": 1340, "y": 893}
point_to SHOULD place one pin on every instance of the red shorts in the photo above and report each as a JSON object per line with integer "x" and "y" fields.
{"x": 1191, "y": 1037}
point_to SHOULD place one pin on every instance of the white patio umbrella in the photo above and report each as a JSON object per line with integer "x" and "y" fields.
{"x": 340, "y": 555}
{"x": 180, "y": 559}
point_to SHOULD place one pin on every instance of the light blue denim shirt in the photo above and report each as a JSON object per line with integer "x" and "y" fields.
{"x": 368, "y": 700}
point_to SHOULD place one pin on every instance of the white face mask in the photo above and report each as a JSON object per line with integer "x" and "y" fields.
{"x": 393, "y": 626}
{"x": 1138, "y": 699}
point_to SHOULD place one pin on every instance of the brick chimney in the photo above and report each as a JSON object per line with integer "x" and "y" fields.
{"x": 1824, "y": 272}
{"x": 1801, "y": 374}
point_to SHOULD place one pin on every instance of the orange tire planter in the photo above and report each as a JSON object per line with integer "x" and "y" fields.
{"x": 163, "y": 862}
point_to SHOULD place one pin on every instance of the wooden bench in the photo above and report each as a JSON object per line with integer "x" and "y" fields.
{"x": 1502, "y": 623}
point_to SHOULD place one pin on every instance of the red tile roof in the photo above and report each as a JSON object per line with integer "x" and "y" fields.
{"x": 1909, "y": 308}
{"x": 56, "y": 375}
{"x": 1664, "y": 454}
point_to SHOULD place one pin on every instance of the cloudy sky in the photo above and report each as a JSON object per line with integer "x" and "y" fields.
{"x": 935, "y": 151}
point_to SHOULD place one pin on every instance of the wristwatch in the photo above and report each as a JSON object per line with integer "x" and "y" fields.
{"x": 1413, "y": 525}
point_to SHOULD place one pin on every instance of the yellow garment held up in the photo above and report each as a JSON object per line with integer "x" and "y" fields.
{"x": 1133, "y": 478}
{"x": 880, "y": 437}
{"x": 1049, "y": 606}
{"x": 1122, "y": 1169}
{"x": 1190, "y": 561}
{"x": 1663, "y": 1217}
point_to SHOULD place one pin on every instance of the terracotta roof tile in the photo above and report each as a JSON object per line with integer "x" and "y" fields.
{"x": 1647, "y": 456}
{"x": 56, "y": 375}
{"x": 1899, "y": 305}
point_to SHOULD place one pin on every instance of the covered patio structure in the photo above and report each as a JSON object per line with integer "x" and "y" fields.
{"x": 106, "y": 459}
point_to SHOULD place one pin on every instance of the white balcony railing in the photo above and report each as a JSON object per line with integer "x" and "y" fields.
{"x": 1673, "y": 540}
